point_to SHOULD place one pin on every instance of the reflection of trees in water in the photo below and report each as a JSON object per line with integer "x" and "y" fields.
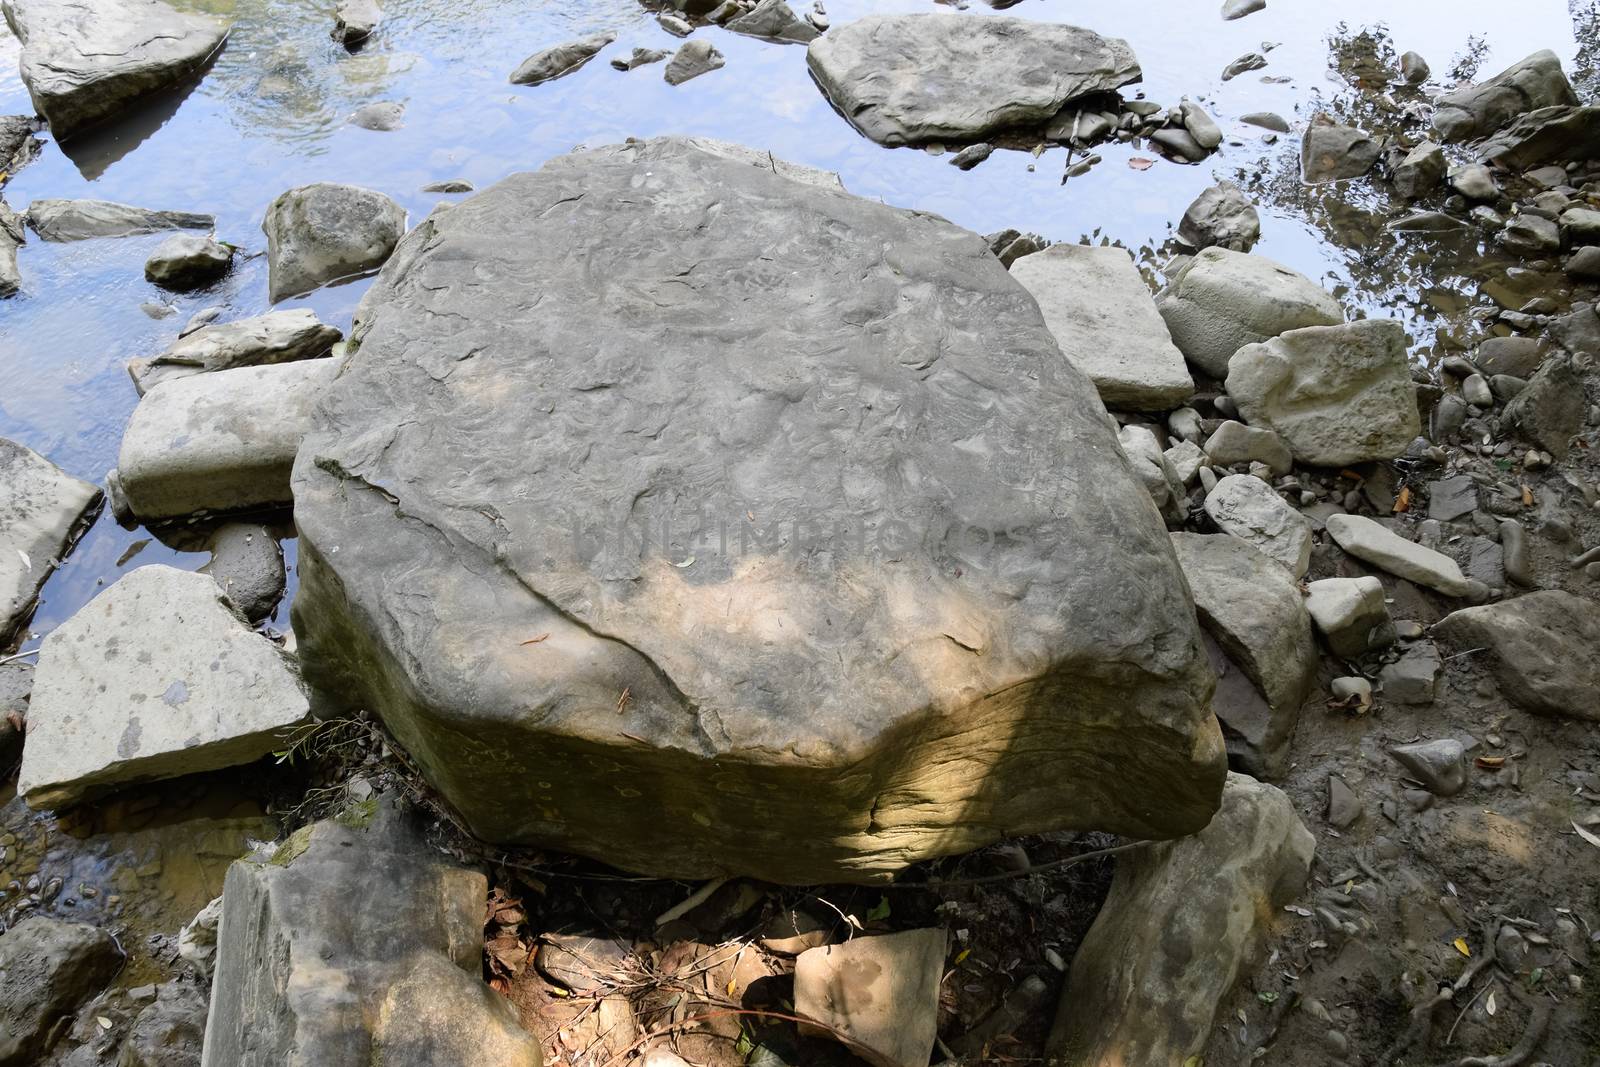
{"x": 1586, "y": 64}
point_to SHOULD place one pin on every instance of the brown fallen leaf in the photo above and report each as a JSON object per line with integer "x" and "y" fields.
{"x": 1141, "y": 163}
{"x": 1402, "y": 503}
{"x": 536, "y": 640}
{"x": 1586, "y": 835}
{"x": 622, "y": 701}
{"x": 1527, "y": 497}
{"x": 1490, "y": 763}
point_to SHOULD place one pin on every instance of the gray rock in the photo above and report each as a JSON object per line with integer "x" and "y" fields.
{"x": 1426, "y": 222}
{"x": 1452, "y": 498}
{"x": 12, "y": 237}
{"x": 1516, "y": 356}
{"x": 773, "y": 20}
{"x": 1249, "y": 509}
{"x": 1534, "y": 82}
{"x": 1149, "y": 463}
{"x": 276, "y": 337}
{"x": 1380, "y": 546}
{"x": 1185, "y": 458}
{"x": 1267, "y": 120}
{"x": 1420, "y": 172}
{"x": 893, "y": 77}
{"x": 560, "y": 60}
{"x": 1476, "y": 392}
{"x": 1330, "y": 152}
{"x": 1183, "y": 921}
{"x": 1101, "y": 314}
{"x": 1344, "y": 807}
{"x": 42, "y": 510}
{"x": 1200, "y": 125}
{"x": 1252, "y": 608}
{"x": 184, "y": 261}
{"x": 1351, "y": 615}
{"x": 219, "y": 442}
{"x": 640, "y": 57}
{"x": 1578, "y": 331}
{"x": 1548, "y": 135}
{"x": 1351, "y": 690}
{"x": 1440, "y": 765}
{"x": 383, "y": 116}
{"x": 584, "y": 964}
{"x": 377, "y": 495}
{"x": 1541, "y": 646}
{"x": 1514, "y": 540}
{"x": 880, "y": 992}
{"x": 51, "y": 968}
{"x": 79, "y": 220}
{"x": 1551, "y": 410}
{"x": 972, "y": 155}
{"x": 169, "y": 1032}
{"x": 247, "y": 562}
{"x": 1581, "y": 226}
{"x": 154, "y": 678}
{"x": 355, "y": 20}
{"x": 1413, "y": 677}
{"x": 1244, "y": 65}
{"x": 85, "y": 61}
{"x": 396, "y": 983}
{"x": 1531, "y": 235}
{"x": 674, "y": 25}
{"x": 323, "y": 232}
{"x": 1223, "y": 216}
{"x": 1475, "y": 182}
{"x": 692, "y": 59}
{"x": 1180, "y": 143}
{"x": 1414, "y": 70}
{"x": 1238, "y": 9}
{"x": 457, "y": 185}
{"x": 18, "y": 145}
{"x": 1335, "y": 394}
{"x": 1234, "y": 442}
{"x": 1222, "y": 300}
{"x": 1583, "y": 264}
{"x": 197, "y": 940}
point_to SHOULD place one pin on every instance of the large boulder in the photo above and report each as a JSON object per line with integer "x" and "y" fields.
{"x": 325, "y": 231}
{"x": 1223, "y": 300}
{"x": 1335, "y": 394}
{"x": 42, "y": 509}
{"x": 1102, "y": 315}
{"x": 912, "y": 79}
{"x": 1542, "y": 648}
{"x": 49, "y": 968}
{"x": 1182, "y": 922}
{"x": 84, "y": 61}
{"x": 153, "y": 678}
{"x": 355, "y": 943}
{"x": 276, "y": 337}
{"x": 849, "y": 434}
{"x": 1478, "y": 110}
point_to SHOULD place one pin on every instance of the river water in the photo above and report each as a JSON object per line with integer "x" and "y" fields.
{"x": 271, "y": 114}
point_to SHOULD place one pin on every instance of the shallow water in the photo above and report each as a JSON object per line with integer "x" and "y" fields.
{"x": 271, "y": 115}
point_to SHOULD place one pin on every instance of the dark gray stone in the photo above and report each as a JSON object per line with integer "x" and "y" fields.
{"x": 1412, "y": 678}
{"x": 184, "y": 261}
{"x": 1548, "y": 135}
{"x": 48, "y": 968}
{"x": 560, "y": 60}
{"x": 1452, "y": 498}
{"x": 1534, "y": 82}
{"x": 1331, "y": 152}
{"x": 1551, "y": 410}
{"x": 248, "y": 563}
{"x": 1440, "y": 765}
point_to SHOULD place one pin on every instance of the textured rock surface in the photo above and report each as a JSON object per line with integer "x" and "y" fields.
{"x": 910, "y": 79}
{"x": 79, "y": 220}
{"x": 50, "y": 968}
{"x": 1380, "y": 546}
{"x": 461, "y": 566}
{"x": 1335, "y": 394}
{"x": 13, "y": 236}
{"x": 1420, "y": 171}
{"x": 247, "y": 562}
{"x": 153, "y": 678}
{"x": 169, "y": 1032}
{"x": 1548, "y": 135}
{"x": 1223, "y": 216}
{"x": 41, "y": 508}
{"x": 1351, "y": 614}
{"x": 308, "y": 975}
{"x": 1246, "y": 507}
{"x": 186, "y": 261}
{"x": 692, "y": 59}
{"x": 355, "y": 20}
{"x": 1223, "y": 300}
{"x": 1477, "y": 110}
{"x": 1182, "y": 921}
{"x": 276, "y": 337}
{"x": 1542, "y": 646}
{"x": 881, "y": 992}
{"x": 219, "y": 442}
{"x": 1102, "y": 316}
{"x": 86, "y": 60}
{"x": 773, "y": 20}
{"x": 1551, "y": 410}
{"x": 325, "y": 231}
{"x": 562, "y": 59}
{"x": 1330, "y": 152}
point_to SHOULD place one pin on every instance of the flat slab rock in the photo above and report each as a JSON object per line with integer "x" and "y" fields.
{"x": 42, "y": 507}
{"x": 1105, "y": 320}
{"x": 276, "y": 337}
{"x": 880, "y": 992}
{"x": 81, "y": 220}
{"x": 153, "y": 678}
{"x": 647, "y": 333}
{"x": 1542, "y": 646}
{"x": 912, "y": 79}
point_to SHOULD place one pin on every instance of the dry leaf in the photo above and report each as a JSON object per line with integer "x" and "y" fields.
{"x": 1490, "y": 763}
{"x": 1586, "y": 835}
{"x": 1402, "y": 503}
{"x": 1141, "y": 163}
{"x": 1461, "y": 946}
{"x": 536, "y": 640}
{"x": 1489, "y": 1005}
{"x": 1527, "y": 497}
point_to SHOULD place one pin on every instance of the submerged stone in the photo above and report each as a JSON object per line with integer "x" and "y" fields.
{"x": 820, "y": 665}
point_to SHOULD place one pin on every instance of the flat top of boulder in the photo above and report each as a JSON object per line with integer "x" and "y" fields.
{"x": 910, "y": 79}
{"x": 649, "y": 332}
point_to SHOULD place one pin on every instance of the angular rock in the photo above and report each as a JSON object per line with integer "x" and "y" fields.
{"x": 1549, "y": 135}
{"x": 1150, "y": 466}
{"x": 1452, "y": 498}
{"x": 355, "y": 20}
{"x": 1222, "y": 300}
{"x": 219, "y": 442}
{"x": 1330, "y": 152}
{"x": 51, "y": 968}
{"x": 647, "y": 681}
{"x": 1542, "y": 646}
{"x": 276, "y": 337}
{"x": 1531, "y": 235}
{"x": 1248, "y": 508}
{"x": 1475, "y": 182}
{"x": 1420, "y": 172}
{"x": 560, "y": 60}
{"x": 1581, "y": 226}
{"x": 322, "y": 232}
{"x": 773, "y": 20}
{"x": 912, "y": 79}
{"x": 1234, "y": 442}
{"x": 396, "y": 983}
{"x": 169, "y": 1032}
{"x": 80, "y": 220}
{"x": 1252, "y": 608}
{"x": 1583, "y": 264}
{"x": 1186, "y": 459}
{"x": 1440, "y": 765}
{"x": 1477, "y": 110}
{"x": 1335, "y": 394}
{"x": 12, "y": 237}
{"x": 154, "y": 678}
{"x": 1223, "y": 216}
{"x": 1244, "y": 65}
{"x": 1551, "y": 410}
{"x": 692, "y": 59}
{"x": 881, "y": 992}
{"x": 1351, "y": 614}
{"x": 42, "y": 510}
{"x": 1380, "y": 546}
{"x": 18, "y": 145}
{"x": 1101, "y": 313}
{"x": 1412, "y": 678}
{"x": 85, "y": 61}
{"x": 1182, "y": 922}
{"x": 187, "y": 262}
{"x": 1344, "y": 807}
{"x": 247, "y": 562}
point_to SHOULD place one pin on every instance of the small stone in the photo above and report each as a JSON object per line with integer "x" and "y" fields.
{"x": 323, "y": 232}
{"x": 1243, "y": 65}
{"x": 452, "y": 185}
{"x": 560, "y": 60}
{"x": 184, "y": 261}
{"x": 1352, "y": 688}
{"x": 1234, "y": 442}
{"x": 1267, "y": 120}
{"x": 1475, "y": 391}
{"x": 355, "y": 20}
{"x": 1351, "y": 615}
{"x": 1420, "y": 172}
{"x": 384, "y": 116}
{"x": 640, "y": 57}
{"x": 971, "y": 156}
{"x": 1413, "y": 678}
{"x": 1439, "y": 765}
{"x": 1223, "y": 216}
{"x": 1331, "y": 152}
{"x": 1451, "y": 498}
{"x": 1475, "y": 182}
{"x": 1344, "y": 807}
{"x": 693, "y": 59}
{"x": 1414, "y": 69}
{"x": 248, "y": 564}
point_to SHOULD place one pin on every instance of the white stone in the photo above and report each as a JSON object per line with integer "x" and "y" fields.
{"x": 1149, "y": 462}
{"x": 1351, "y": 614}
{"x": 1378, "y": 545}
{"x": 154, "y": 678}
{"x": 40, "y": 509}
{"x": 1186, "y": 458}
{"x": 1251, "y": 510}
